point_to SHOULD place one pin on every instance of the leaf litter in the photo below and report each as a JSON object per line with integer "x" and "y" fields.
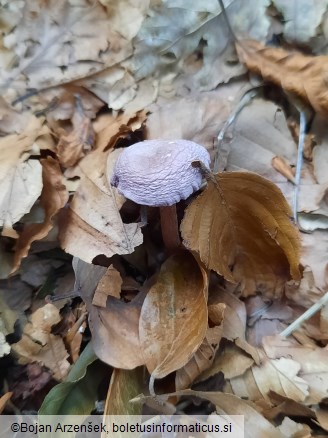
{"x": 208, "y": 315}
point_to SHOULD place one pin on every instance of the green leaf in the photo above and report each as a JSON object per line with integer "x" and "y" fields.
{"x": 78, "y": 394}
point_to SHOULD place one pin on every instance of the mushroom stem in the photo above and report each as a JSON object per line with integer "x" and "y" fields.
{"x": 169, "y": 226}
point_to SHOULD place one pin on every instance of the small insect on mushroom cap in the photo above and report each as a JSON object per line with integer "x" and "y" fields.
{"x": 159, "y": 172}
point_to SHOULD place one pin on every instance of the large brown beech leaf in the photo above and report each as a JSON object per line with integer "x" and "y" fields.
{"x": 298, "y": 74}
{"x": 173, "y": 319}
{"x": 241, "y": 228}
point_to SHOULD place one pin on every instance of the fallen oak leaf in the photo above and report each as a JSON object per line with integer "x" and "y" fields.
{"x": 302, "y": 76}
{"x": 240, "y": 225}
{"x": 53, "y": 197}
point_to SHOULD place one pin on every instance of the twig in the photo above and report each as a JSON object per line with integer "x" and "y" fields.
{"x": 226, "y": 19}
{"x": 247, "y": 97}
{"x": 305, "y": 316}
{"x": 299, "y": 163}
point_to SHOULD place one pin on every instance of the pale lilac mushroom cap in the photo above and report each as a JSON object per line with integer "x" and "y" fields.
{"x": 159, "y": 172}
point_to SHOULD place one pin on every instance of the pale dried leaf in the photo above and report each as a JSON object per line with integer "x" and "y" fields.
{"x": 173, "y": 318}
{"x": 279, "y": 375}
{"x": 53, "y": 197}
{"x": 173, "y": 31}
{"x": 97, "y": 229}
{"x": 313, "y": 362}
{"x": 301, "y": 19}
{"x": 60, "y": 33}
{"x": 292, "y": 429}
{"x": 39, "y": 345}
{"x": 20, "y": 180}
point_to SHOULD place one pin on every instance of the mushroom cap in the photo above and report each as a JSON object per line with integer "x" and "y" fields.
{"x": 159, "y": 172}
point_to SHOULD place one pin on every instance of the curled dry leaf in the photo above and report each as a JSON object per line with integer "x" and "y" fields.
{"x": 201, "y": 360}
{"x": 302, "y": 76}
{"x": 93, "y": 225}
{"x": 53, "y": 197}
{"x": 74, "y": 145}
{"x": 110, "y": 128}
{"x": 173, "y": 320}
{"x": 38, "y": 344}
{"x": 114, "y": 328}
{"x": 240, "y": 225}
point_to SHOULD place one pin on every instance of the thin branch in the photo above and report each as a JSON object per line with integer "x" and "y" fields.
{"x": 305, "y": 316}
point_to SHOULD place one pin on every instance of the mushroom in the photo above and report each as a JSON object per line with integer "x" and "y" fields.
{"x": 159, "y": 173}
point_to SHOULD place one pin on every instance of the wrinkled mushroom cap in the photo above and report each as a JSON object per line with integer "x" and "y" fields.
{"x": 159, "y": 172}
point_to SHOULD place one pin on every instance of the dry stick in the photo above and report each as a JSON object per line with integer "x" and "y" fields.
{"x": 246, "y": 99}
{"x": 299, "y": 163}
{"x": 306, "y": 315}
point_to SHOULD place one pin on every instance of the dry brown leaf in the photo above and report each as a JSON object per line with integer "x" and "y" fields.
{"x": 281, "y": 165}
{"x": 234, "y": 322}
{"x": 109, "y": 285}
{"x": 93, "y": 224}
{"x": 115, "y": 329}
{"x": 115, "y": 333}
{"x": 173, "y": 320}
{"x": 20, "y": 180}
{"x": 53, "y": 197}
{"x": 279, "y": 375}
{"x": 201, "y": 360}
{"x": 241, "y": 228}
{"x": 75, "y": 144}
{"x": 39, "y": 345}
{"x": 302, "y": 76}
{"x": 4, "y": 399}
{"x": 286, "y": 406}
{"x": 232, "y": 362}
{"x": 255, "y": 425}
{"x": 110, "y": 128}
{"x": 313, "y": 363}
